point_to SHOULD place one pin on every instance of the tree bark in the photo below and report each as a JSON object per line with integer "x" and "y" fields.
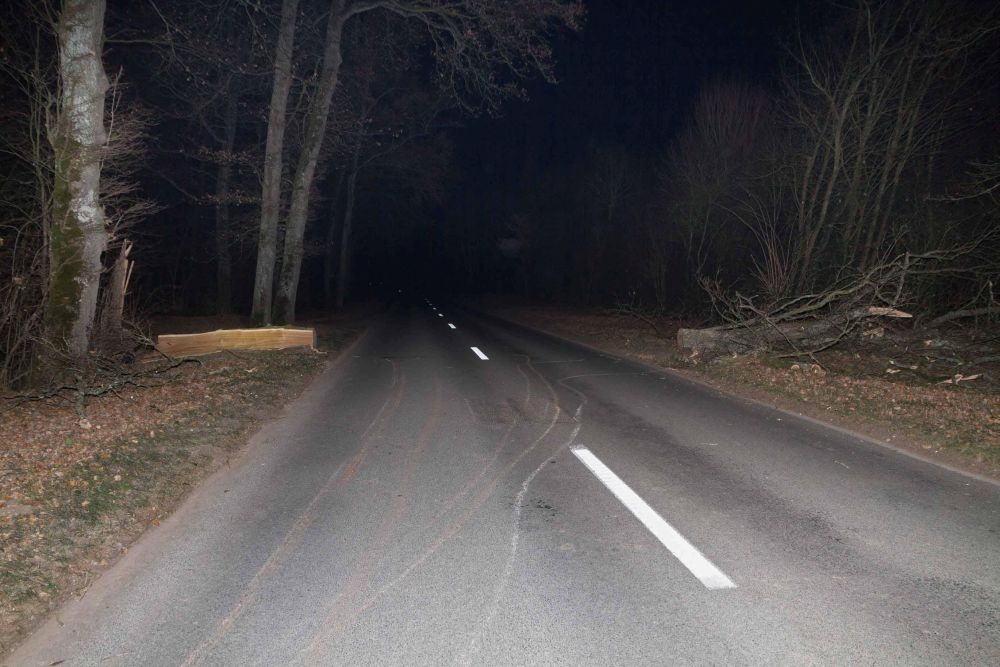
{"x": 330, "y": 247}
{"x": 988, "y": 311}
{"x": 305, "y": 170}
{"x": 223, "y": 272}
{"x": 78, "y": 236}
{"x": 270, "y": 201}
{"x": 344, "y": 268}
{"x": 819, "y": 332}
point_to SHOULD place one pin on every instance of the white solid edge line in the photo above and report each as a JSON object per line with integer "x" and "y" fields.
{"x": 479, "y": 353}
{"x": 450, "y": 325}
{"x": 711, "y": 576}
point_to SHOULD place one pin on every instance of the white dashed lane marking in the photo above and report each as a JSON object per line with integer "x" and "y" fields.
{"x": 706, "y": 571}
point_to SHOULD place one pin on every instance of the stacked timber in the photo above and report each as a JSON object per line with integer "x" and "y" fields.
{"x": 268, "y": 338}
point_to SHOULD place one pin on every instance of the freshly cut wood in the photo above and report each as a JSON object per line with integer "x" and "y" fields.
{"x": 882, "y": 311}
{"x": 269, "y": 338}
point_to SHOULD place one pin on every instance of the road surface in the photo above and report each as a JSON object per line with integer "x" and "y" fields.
{"x": 457, "y": 490}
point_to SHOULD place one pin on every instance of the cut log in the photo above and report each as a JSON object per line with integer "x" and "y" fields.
{"x": 270, "y": 338}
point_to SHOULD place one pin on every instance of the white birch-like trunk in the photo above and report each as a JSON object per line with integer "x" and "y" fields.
{"x": 77, "y": 237}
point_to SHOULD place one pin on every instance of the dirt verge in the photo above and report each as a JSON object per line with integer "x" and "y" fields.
{"x": 75, "y": 493}
{"x": 878, "y": 391}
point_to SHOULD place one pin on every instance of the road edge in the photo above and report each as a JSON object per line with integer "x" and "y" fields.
{"x": 253, "y": 442}
{"x": 752, "y": 400}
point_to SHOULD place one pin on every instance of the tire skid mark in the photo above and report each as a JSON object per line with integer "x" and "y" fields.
{"x": 527, "y": 384}
{"x": 294, "y": 535}
{"x": 359, "y": 459}
{"x": 339, "y": 613}
{"x": 501, "y": 446}
{"x": 456, "y": 525}
{"x": 494, "y": 606}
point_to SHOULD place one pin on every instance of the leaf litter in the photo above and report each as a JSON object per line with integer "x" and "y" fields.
{"x": 74, "y": 493}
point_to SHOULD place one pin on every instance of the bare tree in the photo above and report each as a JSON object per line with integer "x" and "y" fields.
{"x": 609, "y": 182}
{"x": 866, "y": 105}
{"x": 206, "y": 65}
{"x": 28, "y": 67}
{"x": 223, "y": 187}
{"x": 471, "y": 40}
{"x": 78, "y": 235}
{"x": 73, "y": 145}
{"x": 384, "y": 110}
{"x": 843, "y": 186}
{"x": 708, "y": 170}
{"x": 270, "y": 201}
{"x": 305, "y": 169}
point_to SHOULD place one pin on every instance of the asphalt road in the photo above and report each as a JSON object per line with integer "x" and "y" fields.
{"x": 422, "y": 505}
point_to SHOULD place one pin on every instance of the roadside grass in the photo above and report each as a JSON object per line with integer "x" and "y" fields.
{"x": 73, "y": 499}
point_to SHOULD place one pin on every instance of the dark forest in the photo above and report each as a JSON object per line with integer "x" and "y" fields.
{"x": 655, "y": 159}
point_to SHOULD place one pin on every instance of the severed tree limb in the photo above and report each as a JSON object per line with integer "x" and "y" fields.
{"x": 961, "y": 314}
{"x": 102, "y": 376}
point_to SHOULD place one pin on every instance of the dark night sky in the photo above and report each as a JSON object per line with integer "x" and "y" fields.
{"x": 627, "y": 78}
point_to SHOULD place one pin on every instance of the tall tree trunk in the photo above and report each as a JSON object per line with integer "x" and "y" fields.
{"x": 78, "y": 235}
{"x": 223, "y": 182}
{"x": 305, "y": 170}
{"x": 270, "y": 200}
{"x": 329, "y": 254}
{"x": 344, "y": 268}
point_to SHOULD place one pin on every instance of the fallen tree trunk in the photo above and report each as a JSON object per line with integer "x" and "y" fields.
{"x": 812, "y": 334}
